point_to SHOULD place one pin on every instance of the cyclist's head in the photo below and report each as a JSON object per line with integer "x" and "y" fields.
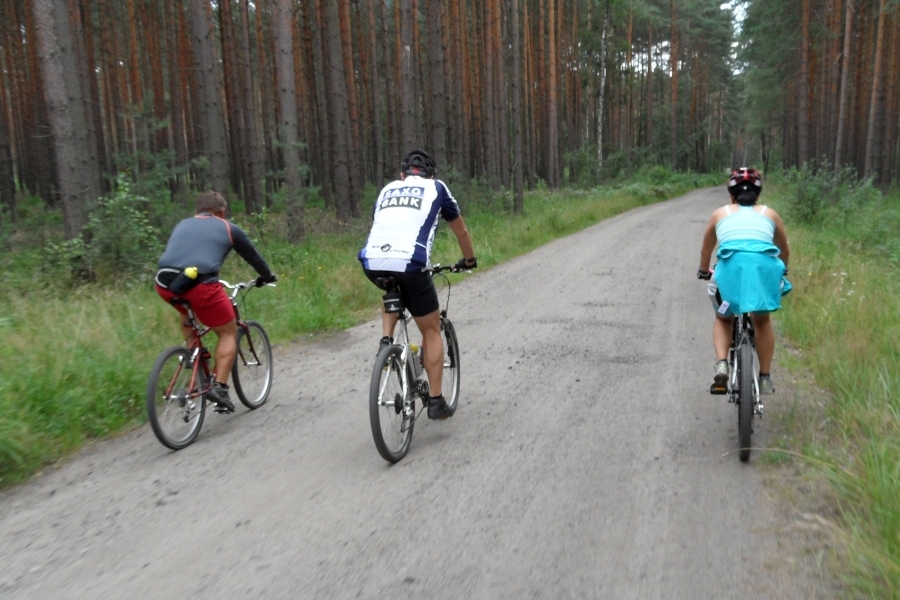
{"x": 211, "y": 202}
{"x": 745, "y": 185}
{"x": 418, "y": 163}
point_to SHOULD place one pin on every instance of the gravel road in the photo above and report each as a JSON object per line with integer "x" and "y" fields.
{"x": 586, "y": 459}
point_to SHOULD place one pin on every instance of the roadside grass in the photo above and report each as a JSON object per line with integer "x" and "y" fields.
{"x": 76, "y": 357}
{"x": 844, "y": 317}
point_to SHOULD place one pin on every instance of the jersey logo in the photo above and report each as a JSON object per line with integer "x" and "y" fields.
{"x": 385, "y": 248}
{"x": 407, "y": 197}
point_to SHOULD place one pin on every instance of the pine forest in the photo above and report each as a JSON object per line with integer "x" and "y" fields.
{"x": 294, "y": 100}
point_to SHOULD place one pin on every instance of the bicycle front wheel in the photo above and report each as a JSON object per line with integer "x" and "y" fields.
{"x": 746, "y": 396}
{"x": 391, "y": 412}
{"x": 450, "y": 381}
{"x": 175, "y": 403}
{"x": 252, "y": 368}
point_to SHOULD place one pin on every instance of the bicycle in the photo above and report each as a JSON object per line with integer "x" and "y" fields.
{"x": 399, "y": 379}
{"x": 743, "y": 384}
{"x": 181, "y": 377}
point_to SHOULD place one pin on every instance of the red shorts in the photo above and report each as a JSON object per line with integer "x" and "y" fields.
{"x": 210, "y": 303}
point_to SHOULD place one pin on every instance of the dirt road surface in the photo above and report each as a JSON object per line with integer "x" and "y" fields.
{"x": 585, "y": 459}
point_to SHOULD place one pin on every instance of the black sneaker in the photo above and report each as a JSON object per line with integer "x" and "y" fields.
{"x": 218, "y": 395}
{"x": 438, "y": 409}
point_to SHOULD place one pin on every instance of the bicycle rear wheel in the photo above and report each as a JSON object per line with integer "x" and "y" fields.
{"x": 252, "y": 368}
{"x": 450, "y": 382}
{"x": 391, "y": 413}
{"x": 175, "y": 403}
{"x": 745, "y": 398}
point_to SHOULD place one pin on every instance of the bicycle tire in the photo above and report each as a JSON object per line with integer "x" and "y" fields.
{"x": 389, "y": 410}
{"x": 450, "y": 380}
{"x": 745, "y": 399}
{"x": 252, "y": 367}
{"x": 174, "y": 409}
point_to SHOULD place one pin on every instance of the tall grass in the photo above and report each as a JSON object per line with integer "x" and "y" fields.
{"x": 75, "y": 357}
{"x": 844, "y": 315}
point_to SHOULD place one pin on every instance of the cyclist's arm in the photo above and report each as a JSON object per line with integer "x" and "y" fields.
{"x": 709, "y": 242}
{"x": 246, "y": 250}
{"x": 458, "y": 227}
{"x": 780, "y": 239}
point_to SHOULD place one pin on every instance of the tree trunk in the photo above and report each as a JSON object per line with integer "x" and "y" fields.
{"x": 552, "y": 143}
{"x": 7, "y": 171}
{"x": 844, "y": 93}
{"x": 174, "y": 31}
{"x": 214, "y": 139}
{"x": 874, "y": 104}
{"x": 283, "y": 25}
{"x": 355, "y": 166}
{"x": 252, "y": 151}
{"x": 673, "y": 109}
{"x": 438, "y": 124}
{"x": 406, "y": 70}
{"x": 376, "y": 98}
{"x": 516, "y": 56}
{"x": 76, "y": 153}
{"x": 803, "y": 89}
{"x": 339, "y": 115}
{"x": 601, "y": 92}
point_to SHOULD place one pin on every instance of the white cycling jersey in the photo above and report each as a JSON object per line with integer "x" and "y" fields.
{"x": 404, "y": 221}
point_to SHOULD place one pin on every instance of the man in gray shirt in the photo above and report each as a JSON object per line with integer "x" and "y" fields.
{"x": 189, "y": 269}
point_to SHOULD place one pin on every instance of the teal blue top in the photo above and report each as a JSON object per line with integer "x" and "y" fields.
{"x": 750, "y": 276}
{"x": 745, "y": 224}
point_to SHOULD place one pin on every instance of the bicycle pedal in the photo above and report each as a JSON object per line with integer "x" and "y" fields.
{"x": 715, "y": 391}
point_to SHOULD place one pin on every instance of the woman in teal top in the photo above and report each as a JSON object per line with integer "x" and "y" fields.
{"x": 749, "y": 276}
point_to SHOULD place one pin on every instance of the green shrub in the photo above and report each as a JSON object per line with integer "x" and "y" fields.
{"x": 118, "y": 246}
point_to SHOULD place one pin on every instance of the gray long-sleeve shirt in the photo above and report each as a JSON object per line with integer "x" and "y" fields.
{"x": 204, "y": 240}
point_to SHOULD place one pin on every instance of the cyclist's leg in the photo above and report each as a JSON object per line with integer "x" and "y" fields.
{"x": 432, "y": 350}
{"x": 186, "y": 330}
{"x": 213, "y": 308}
{"x": 421, "y": 299}
{"x": 765, "y": 340}
{"x": 722, "y": 336}
{"x": 388, "y": 322}
{"x": 226, "y": 349}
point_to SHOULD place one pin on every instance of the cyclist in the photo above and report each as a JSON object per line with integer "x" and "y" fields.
{"x": 405, "y": 218}
{"x": 189, "y": 269}
{"x": 749, "y": 276}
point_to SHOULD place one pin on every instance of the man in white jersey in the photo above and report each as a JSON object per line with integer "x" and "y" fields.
{"x": 405, "y": 218}
{"x": 752, "y": 262}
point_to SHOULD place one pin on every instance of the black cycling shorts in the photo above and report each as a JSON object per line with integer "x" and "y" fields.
{"x": 416, "y": 290}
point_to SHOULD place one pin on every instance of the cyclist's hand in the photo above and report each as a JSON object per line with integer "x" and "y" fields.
{"x": 261, "y": 281}
{"x": 705, "y": 275}
{"x": 464, "y": 264}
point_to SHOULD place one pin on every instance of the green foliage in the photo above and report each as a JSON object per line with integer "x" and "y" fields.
{"x": 118, "y": 246}
{"x": 845, "y": 317}
{"x": 819, "y": 198}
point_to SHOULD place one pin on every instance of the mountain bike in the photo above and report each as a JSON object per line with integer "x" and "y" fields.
{"x": 181, "y": 377}
{"x": 743, "y": 384}
{"x": 399, "y": 379}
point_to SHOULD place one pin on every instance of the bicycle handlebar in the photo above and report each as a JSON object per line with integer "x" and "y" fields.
{"x": 438, "y": 269}
{"x": 237, "y": 287}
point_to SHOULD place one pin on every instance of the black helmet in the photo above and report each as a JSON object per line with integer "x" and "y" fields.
{"x": 418, "y": 162}
{"x": 744, "y": 180}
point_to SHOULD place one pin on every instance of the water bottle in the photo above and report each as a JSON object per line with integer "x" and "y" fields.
{"x": 416, "y": 359}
